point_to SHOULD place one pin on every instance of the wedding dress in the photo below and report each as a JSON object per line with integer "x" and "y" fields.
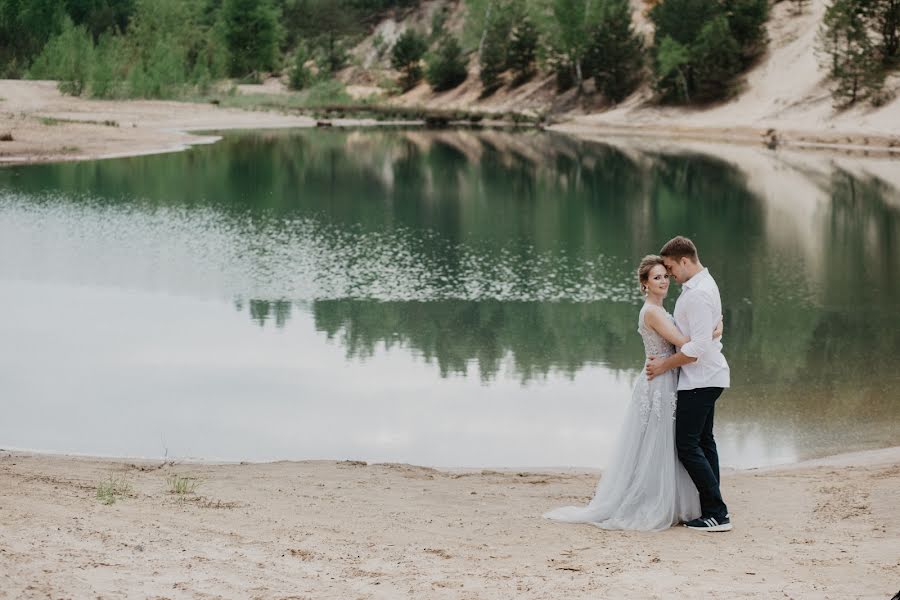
{"x": 645, "y": 487}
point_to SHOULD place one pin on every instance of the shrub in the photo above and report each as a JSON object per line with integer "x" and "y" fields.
{"x": 379, "y": 44}
{"x": 493, "y": 55}
{"x": 406, "y": 57}
{"x": 327, "y": 92}
{"x": 438, "y": 21}
{"x": 109, "y": 67}
{"x": 181, "y": 484}
{"x": 67, "y": 57}
{"x": 446, "y": 67}
{"x": 252, "y": 34}
{"x": 167, "y": 48}
{"x": 300, "y": 76}
{"x": 522, "y": 53}
{"x": 672, "y": 62}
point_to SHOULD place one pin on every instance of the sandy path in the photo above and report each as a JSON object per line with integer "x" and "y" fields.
{"x": 827, "y": 529}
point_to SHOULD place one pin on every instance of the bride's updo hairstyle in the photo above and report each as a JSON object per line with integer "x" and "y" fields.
{"x": 643, "y": 270}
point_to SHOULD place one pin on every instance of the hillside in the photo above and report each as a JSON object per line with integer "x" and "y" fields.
{"x": 787, "y": 90}
{"x": 784, "y": 99}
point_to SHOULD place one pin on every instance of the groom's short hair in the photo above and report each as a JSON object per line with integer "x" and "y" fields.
{"x": 679, "y": 247}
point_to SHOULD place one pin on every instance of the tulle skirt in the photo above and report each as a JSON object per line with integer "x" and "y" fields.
{"x": 646, "y": 487}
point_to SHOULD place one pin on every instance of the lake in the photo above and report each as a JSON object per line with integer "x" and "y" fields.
{"x": 453, "y": 298}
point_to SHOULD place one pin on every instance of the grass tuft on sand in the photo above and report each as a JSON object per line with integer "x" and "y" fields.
{"x": 182, "y": 484}
{"x": 112, "y": 489}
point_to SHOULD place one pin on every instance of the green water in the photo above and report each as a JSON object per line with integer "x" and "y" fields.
{"x": 454, "y": 298}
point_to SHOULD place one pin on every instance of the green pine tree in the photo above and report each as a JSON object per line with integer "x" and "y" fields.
{"x": 493, "y": 56}
{"x": 615, "y": 54}
{"x": 522, "y": 53}
{"x": 573, "y": 20}
{"x": 446, "y": 68}
{"x": 716, "y": 59}
{"x": 673, "y": 62}
{"x": 300, "y": 76}
{"x": 701, "y": 46}
{"x": 846, "y": 40}
{"x": 406, "y": 57}
{"x": 747, "y": 23}
{"x": 252, "y": 35}
{"x": 884, "y": 21}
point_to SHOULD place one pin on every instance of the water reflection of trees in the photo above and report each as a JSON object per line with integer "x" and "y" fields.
{"x": 537, "y": 337}
{"x": 831, "y": 372}
{"x": 549, "y": 193}
{"x": 548, "y": 190}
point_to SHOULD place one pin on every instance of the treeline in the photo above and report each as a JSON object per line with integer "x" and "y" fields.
{"x": 698, "y": 49}
{"x": 163, "y": 48}
{"x": 166, "y": 48}
{"x": 700, "y": 46}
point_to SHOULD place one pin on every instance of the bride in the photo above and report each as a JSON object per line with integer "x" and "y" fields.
{"x": 646, "y": 487}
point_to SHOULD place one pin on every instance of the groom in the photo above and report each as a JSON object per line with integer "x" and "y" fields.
{"x": 704, "y": 374}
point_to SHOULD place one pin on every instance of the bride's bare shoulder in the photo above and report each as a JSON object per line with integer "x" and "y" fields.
{"x": 653, "y": 314}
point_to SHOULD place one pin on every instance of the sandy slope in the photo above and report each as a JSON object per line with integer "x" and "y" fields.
{"x": 788, "y": 91}
{"x": 826, "y": 529}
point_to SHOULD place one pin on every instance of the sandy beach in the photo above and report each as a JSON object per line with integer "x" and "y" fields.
{"x": 47, "y": 126}
{"x": 822, "y": 529}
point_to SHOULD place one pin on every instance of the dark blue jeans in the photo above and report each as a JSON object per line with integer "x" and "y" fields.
{"x": 697, "y": 446}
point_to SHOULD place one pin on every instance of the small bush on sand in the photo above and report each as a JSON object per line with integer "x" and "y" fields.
{"x": 181, "y": 484}
{"x": 112, "y": 489}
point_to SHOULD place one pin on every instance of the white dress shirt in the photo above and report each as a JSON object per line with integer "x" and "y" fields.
{"x": 697, "y": 312}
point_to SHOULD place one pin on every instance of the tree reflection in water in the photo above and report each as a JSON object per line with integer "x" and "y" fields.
{"x": 806, "y": 259}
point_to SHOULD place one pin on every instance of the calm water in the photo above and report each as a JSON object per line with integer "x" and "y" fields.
{"x": 450, "y": 298}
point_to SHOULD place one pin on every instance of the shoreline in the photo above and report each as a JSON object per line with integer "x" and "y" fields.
{"x": 854, "y": 458}
{"x": 48, "y": 127}
{"x": 328, "y": 529}
{"x": 854, "y": 143}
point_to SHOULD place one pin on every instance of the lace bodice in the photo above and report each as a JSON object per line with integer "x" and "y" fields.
{"x": 654, "y": 344}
